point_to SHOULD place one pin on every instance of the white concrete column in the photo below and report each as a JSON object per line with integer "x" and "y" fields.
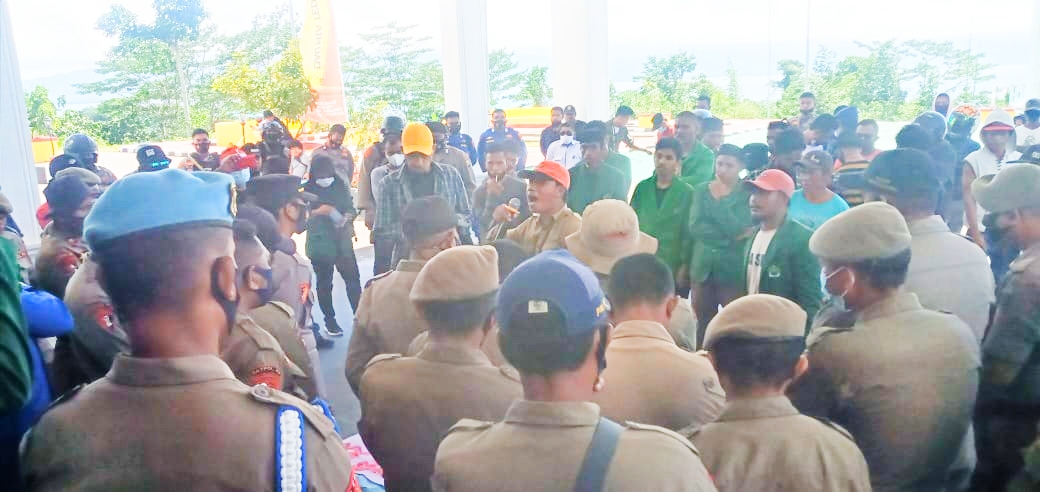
{"x": 17, "y": 171}
{"x": 465, "y": 50}
{"x": 1033, "y": 86}
{"x": 579, "y": 57}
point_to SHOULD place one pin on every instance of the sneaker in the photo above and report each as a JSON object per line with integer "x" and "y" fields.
{"x": 332, "y": 328}
{"x": 323, "y": 343}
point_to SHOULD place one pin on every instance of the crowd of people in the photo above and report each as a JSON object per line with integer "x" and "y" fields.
{"x": 798, "y": 314}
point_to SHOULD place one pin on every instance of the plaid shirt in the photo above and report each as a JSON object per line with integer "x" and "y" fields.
{"x": 395, "y": 192}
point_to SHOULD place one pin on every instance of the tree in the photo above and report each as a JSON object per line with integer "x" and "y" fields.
{"x": 504, "y": 77}
{"x": 42, "y": 112}
{"x": 390, "y": 69}
{"x": 535, "y": 89}
{"x": 280, "y": 87}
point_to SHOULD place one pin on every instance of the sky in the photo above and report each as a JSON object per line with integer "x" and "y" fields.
{"x": 58, "y": 44}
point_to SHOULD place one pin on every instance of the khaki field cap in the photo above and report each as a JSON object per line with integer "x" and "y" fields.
{"x": 757, "y": 316}
{"x": 609, "y": 232}
{"x": 456, "y": 274}
{"x": 1014, "y": 187}
{"x": 871, "y": 230}
{"x": 5, "y": 205}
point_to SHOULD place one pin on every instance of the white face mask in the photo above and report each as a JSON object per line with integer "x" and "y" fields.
{"x": 325, "y": 182}
{"x": 396, "y": 160}
{"x": 241, "y": 177}
{"x": 566, "y": 139}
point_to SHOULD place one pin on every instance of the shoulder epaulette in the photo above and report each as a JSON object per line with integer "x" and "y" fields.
{"x": 264, "y": 394}
{"x": 839, "y": 429}
{"x": 66, "y": 396}
{"x": 287, "y": 309}
{"x": 470, "y": 425}
{"x": 382, "y": 358}
{"x": 377, "y": 277}
{"x": 509, "y": 372}
{"x": 661, "y": 430}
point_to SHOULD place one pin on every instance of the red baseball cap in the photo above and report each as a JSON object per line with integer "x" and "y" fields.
{"x": 550, "y": 169}
{"x": 774, "y": 180}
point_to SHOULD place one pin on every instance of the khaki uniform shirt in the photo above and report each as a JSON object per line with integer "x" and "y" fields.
{"x": 386, "y": 321}
{"x": 490, "y": 347}
{"x": 255, "y": 357}
{"x": 58, "y": 259}
{"x": 86, "y": 353}
{"x": 460, "y": 161}
{"x": 903, "y": 381}
{"x": 277, "y": 319}
{"x": 174, "y": 424}
{"x": 651, "y": 380}
{"x": 539, "y": 233}
{"x": 949, "y": 273}
{"x": 409, "y": 403}
{"x": 291, "y": 275}
{"x": 342, "y": 160}
{"x": 374, "y": 157}
{"x": 541, "y": 445}
{"x": 764, "y": 444}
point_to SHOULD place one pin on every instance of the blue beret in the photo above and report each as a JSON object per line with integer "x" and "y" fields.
{"x": 171, "y": 197}
{"x": 552, "y": 281}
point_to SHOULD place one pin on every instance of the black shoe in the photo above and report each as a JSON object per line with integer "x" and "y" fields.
{"x": 323, "y": 343}
{"x": 332, "y": 328}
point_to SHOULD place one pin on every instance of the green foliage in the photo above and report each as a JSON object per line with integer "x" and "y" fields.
{"x": 504, "y": 77}
{"x": 391, "y": 70}
{"x": 535, "y": 90}
{"x": 280, "y": 87}
{"x": 42, "y": 112}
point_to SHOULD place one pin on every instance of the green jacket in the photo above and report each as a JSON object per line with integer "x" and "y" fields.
{"x": 589, "y": 185}
{"x": 15, "y": 361}
{"x": 623, "y": 164}
{"x": 789, "y": 270}
{"x": 699, "y": 166}
{"x": 714, "y": 227}
{"x": 668, "y": 222}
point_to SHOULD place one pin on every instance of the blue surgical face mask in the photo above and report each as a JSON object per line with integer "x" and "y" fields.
{"x": 241, "y": 177}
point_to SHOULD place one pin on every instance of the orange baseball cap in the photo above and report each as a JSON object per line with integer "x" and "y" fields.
{"x": 551, "y": 170}
{"x": 774, "y": 180}
{"x": 417, "y": 137}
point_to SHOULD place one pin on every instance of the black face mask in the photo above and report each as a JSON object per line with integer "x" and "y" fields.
{"x": 455, "y": 129}
{"x": 70, "y": 225}
{"x": 230, "y": 306}
{"x": 202, "y": 149}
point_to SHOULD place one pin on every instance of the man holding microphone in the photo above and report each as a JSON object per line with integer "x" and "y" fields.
{"x": 501, "y": 189}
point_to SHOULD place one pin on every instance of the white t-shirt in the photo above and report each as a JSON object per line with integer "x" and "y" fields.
{"x": 754, "y": 265}
{"x": 984, "y": 163}
{"x": 565, "y": 155}
{"x": 1027, "y": 137}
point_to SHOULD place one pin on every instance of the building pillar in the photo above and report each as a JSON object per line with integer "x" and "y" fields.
{"x": 465, "y": 54}
{"x": 579, "y": 57}
{"x": 1033, "y": 87}
{"x": 18, "y": 180}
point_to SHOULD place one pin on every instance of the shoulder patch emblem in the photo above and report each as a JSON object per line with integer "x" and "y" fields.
{"x": 103, "y": 315}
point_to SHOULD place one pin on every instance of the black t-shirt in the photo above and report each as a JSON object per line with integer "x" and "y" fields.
{"x": 420, "y": 184}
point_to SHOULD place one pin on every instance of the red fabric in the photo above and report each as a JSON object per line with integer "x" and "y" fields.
{"x": 42, "y": 213}
{"x": 266, "y": 375}
{"x": 668, "y": 132}
{"x": 103, "y": 316}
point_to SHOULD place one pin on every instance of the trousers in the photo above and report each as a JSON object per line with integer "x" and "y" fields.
{"x": 707, "y": 297}
{"x": 325, "y": 268}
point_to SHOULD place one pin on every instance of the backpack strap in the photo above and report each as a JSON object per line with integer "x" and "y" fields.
{"x": 289, "y": 451}
{"x": 593, "y": 472}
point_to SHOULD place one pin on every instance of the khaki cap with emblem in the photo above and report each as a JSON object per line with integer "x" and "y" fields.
{"x": 1014, "y": 187}
{"x": 456, "y": 274}
{"x": 609, "y": 232}
{"x": 871, "y": 230}
{"x": 757, "y": 316}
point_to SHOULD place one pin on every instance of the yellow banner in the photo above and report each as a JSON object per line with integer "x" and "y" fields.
{"x": 321, "y": 63}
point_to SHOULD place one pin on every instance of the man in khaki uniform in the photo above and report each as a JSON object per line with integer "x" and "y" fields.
{"x": 86, "y": 354}
{"x": 1009, "y": 394}
{"x": 610, "y": 232}
{"x": 291, "y": 272}
{"x": 761, "y": 442}
{"x": 342, "y": 160}
{"x": 252, "y": 353}
{"x": 61, "y": 245}
{"x": 651, "y": 379}
{"x": 386, "y": 322}
{"x": 555, "y": 327}
{"x": 551, "y": 221}
{"x": 902, "y": 379}
{"x": 409, "y": 403}
{"x": 194, "y": 426}
{"x": 446, "y": 154}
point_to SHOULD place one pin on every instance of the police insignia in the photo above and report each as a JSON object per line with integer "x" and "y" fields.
{"x": 104, "y": 317}
{"x": 291, "y": 475}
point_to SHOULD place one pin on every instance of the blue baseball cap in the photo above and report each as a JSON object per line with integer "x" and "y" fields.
{"x": 171, "y": 197}
{"x": 549, "y": 285}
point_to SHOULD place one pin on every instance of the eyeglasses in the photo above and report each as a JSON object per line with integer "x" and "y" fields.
{"x": 567, "y": 133}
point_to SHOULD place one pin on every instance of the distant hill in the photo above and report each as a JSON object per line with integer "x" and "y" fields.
{"x": 64, "y": 85}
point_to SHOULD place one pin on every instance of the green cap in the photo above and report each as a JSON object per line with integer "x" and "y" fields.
{"x": 872, "y": 230}
{"x": 1012, "y": 188}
